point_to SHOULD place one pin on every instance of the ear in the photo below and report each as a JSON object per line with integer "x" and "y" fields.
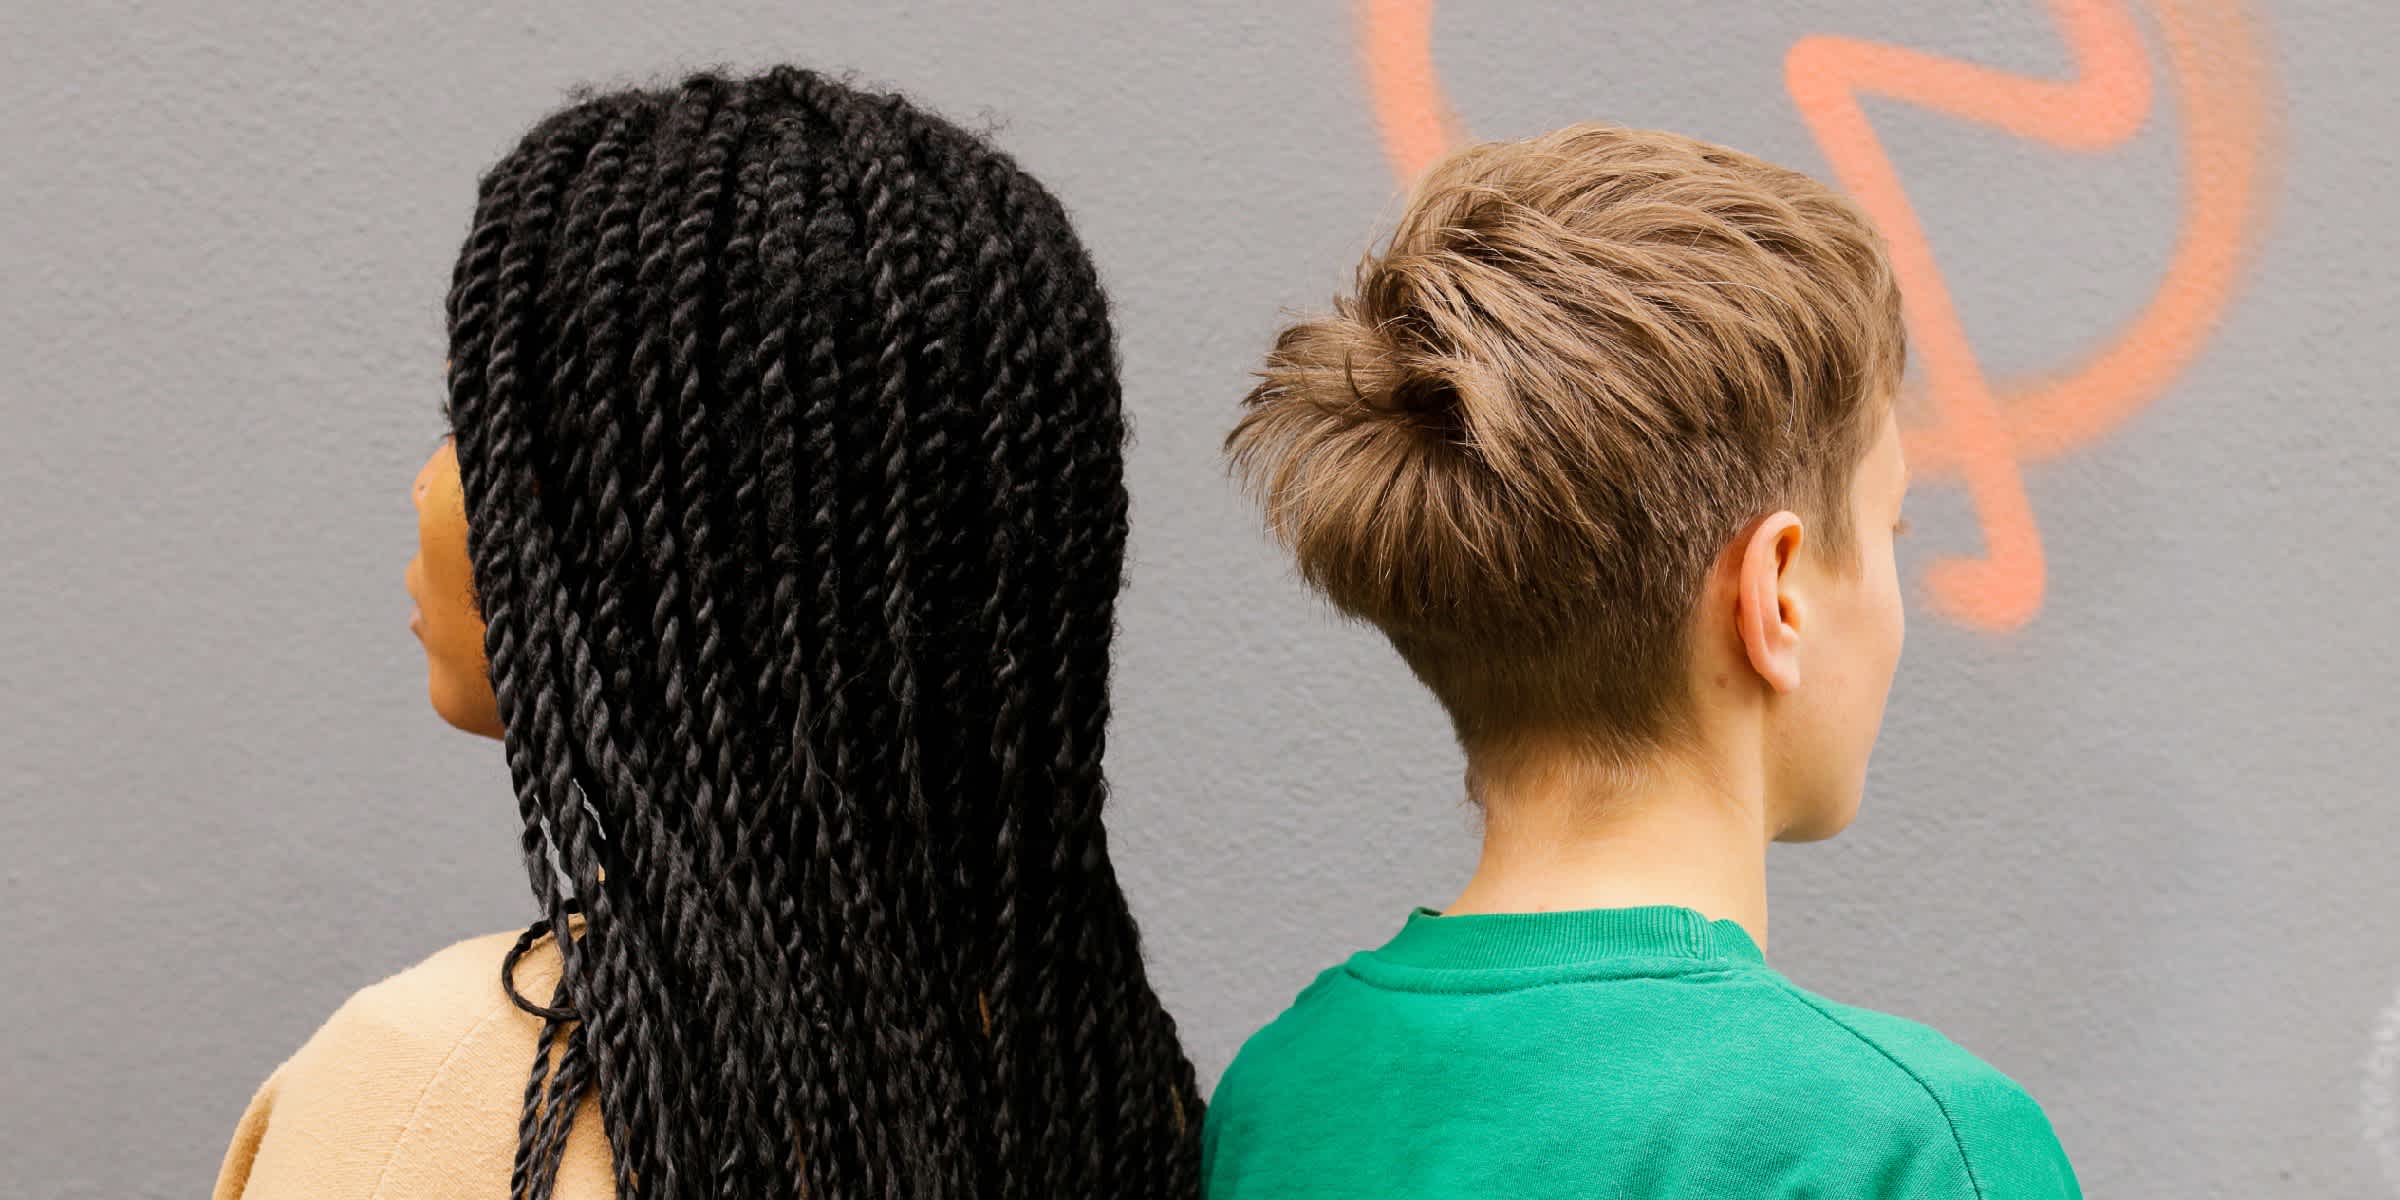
{"x": 1767, "y": 610}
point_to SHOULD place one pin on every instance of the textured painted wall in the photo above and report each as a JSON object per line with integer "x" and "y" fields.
{"x": 2128, "y": 835}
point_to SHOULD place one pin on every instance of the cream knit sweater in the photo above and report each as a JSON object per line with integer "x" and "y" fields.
{"x": 412, "y": 1089}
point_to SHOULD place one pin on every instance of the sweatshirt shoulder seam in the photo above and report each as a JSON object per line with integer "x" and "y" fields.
{"x": 417, "y": 1108}
{"x": 1949, "y": 1122}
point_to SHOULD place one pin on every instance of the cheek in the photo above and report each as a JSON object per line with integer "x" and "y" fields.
{"x": 444, "y": 579}
{"x": 446, "y": 575}
{"x": 1874, "y": 624}
{"x": 457, "y": 676}
{"x": 455, "y": 640}
{"x": 453, "y": 629}
{"x": 1887, "y": 633}
{"x": 1894, "y": 598}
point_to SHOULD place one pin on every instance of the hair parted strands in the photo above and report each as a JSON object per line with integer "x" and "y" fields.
{"x": 789, "y": 425}
{"x": 1582, "y": 364}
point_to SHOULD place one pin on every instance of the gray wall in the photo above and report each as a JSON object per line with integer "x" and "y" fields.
{"x": 2137, "y": 849}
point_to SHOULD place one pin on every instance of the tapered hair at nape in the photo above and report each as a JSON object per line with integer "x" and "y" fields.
{"x": 1582, "y": 362}
{"x": 789, "y": 423}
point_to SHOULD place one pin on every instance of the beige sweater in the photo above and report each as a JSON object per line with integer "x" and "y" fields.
{"x": 412, "y": 1089}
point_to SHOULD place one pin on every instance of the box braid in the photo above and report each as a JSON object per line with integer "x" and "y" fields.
{"x": 790, "y": 429}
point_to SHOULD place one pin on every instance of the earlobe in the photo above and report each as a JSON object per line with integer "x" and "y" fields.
{"x": 1768, "y": 613}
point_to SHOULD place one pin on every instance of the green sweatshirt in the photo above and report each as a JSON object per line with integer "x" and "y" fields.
{"x": 1618, "y": 1053}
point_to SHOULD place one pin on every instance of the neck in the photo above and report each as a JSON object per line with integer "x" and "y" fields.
{"x": 1563, "y": 833}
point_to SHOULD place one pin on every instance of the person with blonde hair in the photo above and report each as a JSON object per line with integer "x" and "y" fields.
{"x": 1604, "y": 441}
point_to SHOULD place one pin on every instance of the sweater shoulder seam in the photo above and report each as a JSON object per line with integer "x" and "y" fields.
{"x": 1957, "y": 1140}
{"x": 416, "y": 1110}
{"x": 433, "y": 1078}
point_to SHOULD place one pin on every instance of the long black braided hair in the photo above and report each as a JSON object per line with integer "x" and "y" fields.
{"x": 788, "y": 418}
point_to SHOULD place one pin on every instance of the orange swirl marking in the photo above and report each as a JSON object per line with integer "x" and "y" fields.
{"x": 1982, "y": 430}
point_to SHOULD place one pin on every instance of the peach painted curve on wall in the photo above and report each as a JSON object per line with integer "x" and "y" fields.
{"x": 1984, "y": 429}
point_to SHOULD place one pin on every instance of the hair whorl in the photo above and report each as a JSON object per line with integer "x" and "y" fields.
{"x": 1579, "y": 365}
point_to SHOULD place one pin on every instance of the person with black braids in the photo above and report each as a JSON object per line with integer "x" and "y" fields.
{"x": 778, "y": 539}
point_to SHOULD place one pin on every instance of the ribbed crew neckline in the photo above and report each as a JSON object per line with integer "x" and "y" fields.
{"x": 1554, "y": 939}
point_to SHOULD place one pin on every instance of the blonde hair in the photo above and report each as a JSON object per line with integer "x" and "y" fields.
{"x": 1582, "y": 364}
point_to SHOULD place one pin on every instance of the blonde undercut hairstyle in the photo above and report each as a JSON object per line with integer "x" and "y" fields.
{"x": 1583, "y": 363}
